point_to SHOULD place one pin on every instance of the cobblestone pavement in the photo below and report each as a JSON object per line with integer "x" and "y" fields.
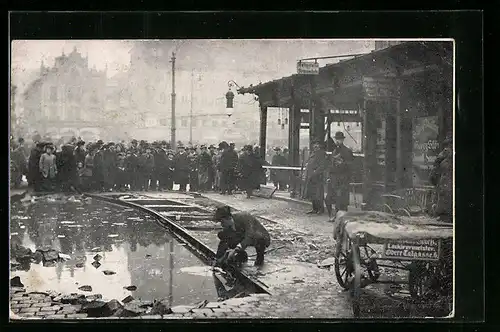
{"x": 43, "y": 306}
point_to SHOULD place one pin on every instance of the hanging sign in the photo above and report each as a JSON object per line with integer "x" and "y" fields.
{"x": 307, "y": 68}
{"x": 386, "y": 87}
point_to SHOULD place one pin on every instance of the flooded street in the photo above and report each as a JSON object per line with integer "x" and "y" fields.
{"x": 101, "y": 237}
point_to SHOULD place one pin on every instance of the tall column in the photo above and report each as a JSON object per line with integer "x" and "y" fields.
{"x": 370, "y": 145}
{"x": 294, "y": 147}
{"x": 263, "y": 130}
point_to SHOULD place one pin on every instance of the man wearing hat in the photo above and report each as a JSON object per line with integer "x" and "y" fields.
{"x": 314, "y": 179}
{"x": 193, "y": 169}
{"x": 80, "y": 154}
{"x": 339, "y": 176}
{"x": 278, "y": 177}
{"x": 181, "y": 166}
{"x": 34, "y": 176}
{"x": 204, "y": 169}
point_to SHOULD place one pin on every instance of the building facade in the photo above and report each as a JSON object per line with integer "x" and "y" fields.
{"x": 67, "y": 100}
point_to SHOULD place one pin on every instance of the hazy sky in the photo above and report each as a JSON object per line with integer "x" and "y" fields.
{"x": 277, "y": 55}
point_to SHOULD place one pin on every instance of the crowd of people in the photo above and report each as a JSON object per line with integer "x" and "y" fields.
{"x": 141, "y": 166}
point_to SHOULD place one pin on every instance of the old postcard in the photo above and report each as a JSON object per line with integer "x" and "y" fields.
{"x": 191, "y": 179}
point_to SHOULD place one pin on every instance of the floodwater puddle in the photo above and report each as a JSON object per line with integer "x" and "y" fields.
{"x": 131, "y": 244}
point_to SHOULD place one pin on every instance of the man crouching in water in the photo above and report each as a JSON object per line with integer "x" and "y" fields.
{"x": 239, "y": 231}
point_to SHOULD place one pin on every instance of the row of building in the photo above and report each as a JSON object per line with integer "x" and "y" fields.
{"x": 72, "y": 99}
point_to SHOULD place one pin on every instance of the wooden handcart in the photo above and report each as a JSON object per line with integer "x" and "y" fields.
{"x": 420, "y": 245}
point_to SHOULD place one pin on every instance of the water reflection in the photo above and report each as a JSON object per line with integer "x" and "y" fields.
{"x": 132, "y": 244}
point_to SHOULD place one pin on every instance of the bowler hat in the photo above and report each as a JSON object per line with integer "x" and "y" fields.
{"x": 277, "y": 148}
{"x": 80, "y": 143}
{"x": 339, "y": 135}
{"x": 211, "y": 146}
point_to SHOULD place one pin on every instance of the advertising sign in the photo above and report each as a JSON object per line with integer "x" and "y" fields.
{"x": 307, "y": 68}
{"x": 425, "y": 147}
{"x": 380, "y": 87}
{"x": 426, "y": 250}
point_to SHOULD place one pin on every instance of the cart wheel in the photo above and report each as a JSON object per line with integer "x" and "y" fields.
{"x": 356, "y": 286}
{"x": 405, "y": 212}
{"x": 419, "y": 280}
{"x": 387, "y": 208}
{"x": 371, "y": 265}
{"x": 343, "y": 265}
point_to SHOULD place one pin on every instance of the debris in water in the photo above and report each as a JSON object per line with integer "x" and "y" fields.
{"x": 130, "y": 288}
{"x": 202, "y": 304}
{"x": 326, "y": 263}
{"x": 128, "y": 299}
{"x": 118, "y": 223}
{"x": 108, "y": 272}
{"x": 298, "y": 281}
{"x": 79, "y": 265}
{"x": 312, "y": 246}
{"x": 148, "y": 256}
{"x": 16, "y": 282}
{"x": 95, "y": 249}
{"x": 22, "y": 227}
{"x": 97, "y": 257}
{"x": 14, "y": 234}
{"x": 60, "y": 236}
{"x": 64, "y": 256}
{"x": 85, "y": 288}
{"x": 113, "y": 235}
{"x": 204, "y": 271}
{"x": 96, "y": 264}
{"x": 66, "y": 222}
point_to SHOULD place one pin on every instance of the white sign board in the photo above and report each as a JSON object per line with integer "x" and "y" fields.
{"x": 307, "y": 68}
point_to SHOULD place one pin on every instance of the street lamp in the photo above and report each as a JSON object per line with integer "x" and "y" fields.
{"x": 230, "y": 97}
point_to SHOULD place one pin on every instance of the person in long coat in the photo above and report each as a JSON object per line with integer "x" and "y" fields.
{"x": 204, "y": 169}
{"x": 67, "y": 168}
{"x": 48, "y": 168}
{"x": 339, "y": 176}
{"x": 314, "y": 178}
{"x": 212, "y": 171}
{"x": 193, "y": 169}
{"x": 109, "y": 167}
{"x": 279, "y": 177}
{"x": 34, "y": 177}
{"x": 181, "y": 173}
{"x": 442, "y": 178}
{"x": 98, "y": 171}
{"x": 249, "y": 169}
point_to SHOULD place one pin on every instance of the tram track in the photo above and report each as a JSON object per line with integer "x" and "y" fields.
{"x": 168, "y": 216}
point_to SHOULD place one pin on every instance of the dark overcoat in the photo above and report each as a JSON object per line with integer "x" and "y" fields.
{"x": 182, "y": 168}
{"x": 314, "y": 184}
{"x": 249, "y": 169}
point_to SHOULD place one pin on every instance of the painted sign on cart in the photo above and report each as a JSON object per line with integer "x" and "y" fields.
{"x": 426, "y": 250}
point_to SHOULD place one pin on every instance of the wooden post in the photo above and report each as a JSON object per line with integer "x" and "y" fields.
{"x": 370, "y": 144}
{"x": 263, "y": 130}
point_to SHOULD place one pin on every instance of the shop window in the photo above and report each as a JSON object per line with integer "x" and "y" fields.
{"x": 163, "y": 122}
{"x": 184, "y": 123}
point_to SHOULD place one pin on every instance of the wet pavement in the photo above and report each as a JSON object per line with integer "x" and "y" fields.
{"x": 131, "y": 244}
{"x": 299, "y": 287}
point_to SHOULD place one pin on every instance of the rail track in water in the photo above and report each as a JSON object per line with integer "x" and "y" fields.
{"x": 181, "y": 219}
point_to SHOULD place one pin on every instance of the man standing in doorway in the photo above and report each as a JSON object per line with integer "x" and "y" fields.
{"x": 314, "y": 178}
{"x": 339, "y": 176}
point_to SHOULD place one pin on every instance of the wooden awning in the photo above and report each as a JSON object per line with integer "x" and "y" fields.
{"x": 340, "y": 84}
